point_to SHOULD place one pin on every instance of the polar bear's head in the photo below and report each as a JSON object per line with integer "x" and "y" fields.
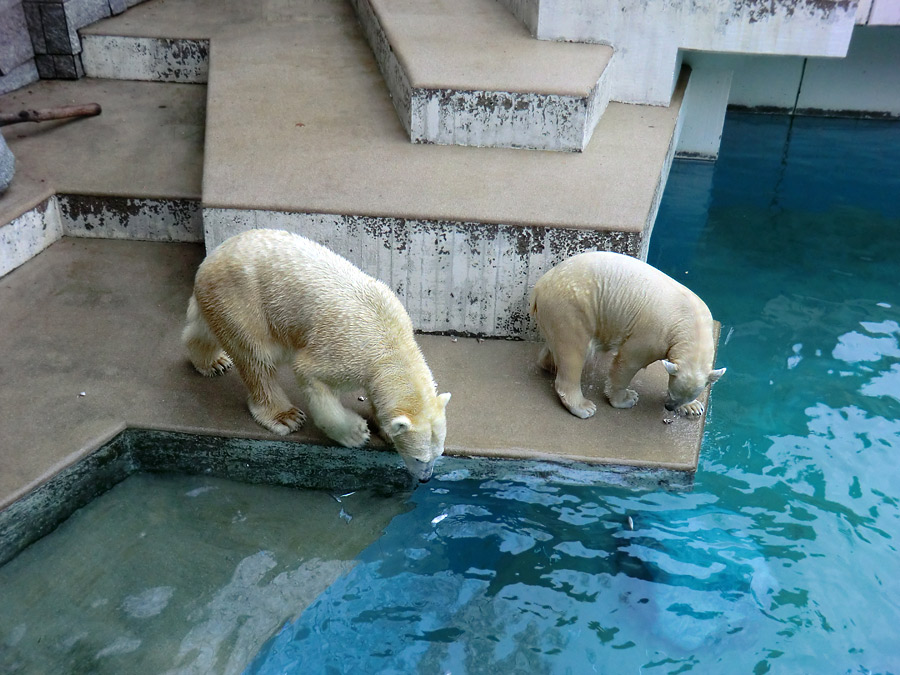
{"x": 420, "y": 438}
{"x": 686, "y": 384}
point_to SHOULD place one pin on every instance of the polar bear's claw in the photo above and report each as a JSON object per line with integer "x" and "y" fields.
{"x": 293, "y": 419}
{"x": 221, "y": 365}
{"x": 692, "y": 409}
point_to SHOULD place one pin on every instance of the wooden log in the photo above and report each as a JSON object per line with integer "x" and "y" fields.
{"x": 44, "y": 114}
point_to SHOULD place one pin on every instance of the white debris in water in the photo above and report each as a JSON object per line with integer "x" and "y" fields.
{"x": 121, "y": 645}
{"x": 730, "y": 333}
{"x": 346, "y": 516}
{"x": 239, "y": 517}
{"x": 437, "y": 519}
{"x": 99, "y": 602}
{"x": 82, "y": 393}
{"x": 885, "y": 305}
{"x": 148, "y": 603}
{"x": 196, "y": 492}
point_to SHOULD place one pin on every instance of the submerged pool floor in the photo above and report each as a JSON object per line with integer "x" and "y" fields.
{"x": 179, "y": 574}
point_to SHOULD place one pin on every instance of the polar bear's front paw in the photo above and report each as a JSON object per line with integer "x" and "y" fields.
{"x": 692, "y": 409}
{"x": 354, "y": 435}
{"x": 626, "y": 398}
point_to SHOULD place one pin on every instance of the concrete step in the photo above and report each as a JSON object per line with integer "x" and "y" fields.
{"x": 468, "y": 72}
{"x": 460, "y": 73}
{"x": 302, "y": 134}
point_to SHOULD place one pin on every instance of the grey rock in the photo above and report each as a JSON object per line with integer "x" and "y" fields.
{"x": 7, "y": 165}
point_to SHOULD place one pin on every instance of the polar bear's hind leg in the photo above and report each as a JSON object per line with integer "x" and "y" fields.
{"x": 267, "y": 401}
{"x": 203, "y": 348}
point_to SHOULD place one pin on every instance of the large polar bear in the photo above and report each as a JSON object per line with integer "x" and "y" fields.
{"x": 264, "y": 297}
{"x": 624, "y": 305}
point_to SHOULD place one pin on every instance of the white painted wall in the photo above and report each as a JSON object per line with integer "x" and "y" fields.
{"x": 866, "y": 81}
{"x": 648, "y": 34}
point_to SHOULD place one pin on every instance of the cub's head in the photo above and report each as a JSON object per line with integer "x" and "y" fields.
{"x": 686, "y": 384}
{"x": 420, "y": 439}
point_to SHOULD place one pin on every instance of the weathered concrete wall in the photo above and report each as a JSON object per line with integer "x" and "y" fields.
{"x": 28, "y": 235}
{"x": 101, "y": 217}
{"x": 648, "y": 34}
{"x": 143, "y": 58}
{"x": 466, "y": 278}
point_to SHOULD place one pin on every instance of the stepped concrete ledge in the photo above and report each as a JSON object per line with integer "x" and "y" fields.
{"x": 90, "y": 337}
{"x": 469, "y": 73}
{"x": 134, "y": 171}
{"x": 461, "y": 73}
{"x": 302, "y": 134}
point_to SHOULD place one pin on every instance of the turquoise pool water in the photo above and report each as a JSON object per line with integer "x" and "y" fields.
{"x": 782, "y": 559}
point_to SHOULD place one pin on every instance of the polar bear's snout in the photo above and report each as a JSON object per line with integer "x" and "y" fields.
{"x": 421, "y": 471}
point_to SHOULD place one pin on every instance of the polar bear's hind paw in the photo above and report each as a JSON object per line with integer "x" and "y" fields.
{"x": 218, "y": 366}
{"x": 623, "y": 399}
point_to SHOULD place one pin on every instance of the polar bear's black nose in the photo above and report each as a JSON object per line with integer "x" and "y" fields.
{"x": 425, "y": 480}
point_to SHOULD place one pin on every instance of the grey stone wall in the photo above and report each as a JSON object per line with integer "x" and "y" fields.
{"x": 39, "y": 38}
{"x": 17, "y": 65}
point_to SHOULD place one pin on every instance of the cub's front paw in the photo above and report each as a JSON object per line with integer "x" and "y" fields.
{"x": 692, "y": 409}
{"x": 625, "y": 398}
{"x": 578, "y": 405}
{"x": 355, "y": 435}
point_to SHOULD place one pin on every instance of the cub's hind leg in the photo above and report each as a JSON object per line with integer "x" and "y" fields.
{"x": 203, "y": 348}
{"x": 567, "y": 349}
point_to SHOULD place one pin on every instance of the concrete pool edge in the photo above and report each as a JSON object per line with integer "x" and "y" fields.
{"x": 42, "y": 506}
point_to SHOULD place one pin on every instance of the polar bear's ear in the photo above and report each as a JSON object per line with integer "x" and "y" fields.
{"x": 671, "y": 368}
{"x": 400, "y": 425}
{"x": 715, "y": 375}
{"x": 444, "y": 399}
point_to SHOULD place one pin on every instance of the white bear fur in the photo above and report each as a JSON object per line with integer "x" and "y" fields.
{"x": 618, "y": 303}
{"x": 264, "y": 297}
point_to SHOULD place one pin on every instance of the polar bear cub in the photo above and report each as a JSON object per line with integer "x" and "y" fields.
{"x": 621, "y": 304}
{"x": 264, "y": 297}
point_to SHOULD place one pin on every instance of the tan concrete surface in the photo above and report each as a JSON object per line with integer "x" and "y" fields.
{"x": 300, "y": 120}
{"x": 478, "y": 45}
{"x": 90, "y": 338}
{"x": 147, "y": 142}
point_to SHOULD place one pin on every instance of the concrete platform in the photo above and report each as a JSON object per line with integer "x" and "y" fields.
{"x": 90, "y": 339}
{"x": 146, "y": 143}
